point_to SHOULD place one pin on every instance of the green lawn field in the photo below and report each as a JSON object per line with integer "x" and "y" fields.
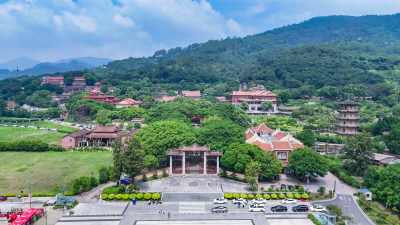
{"x": 19, "y": 133}
{"x": 48, "y": 171}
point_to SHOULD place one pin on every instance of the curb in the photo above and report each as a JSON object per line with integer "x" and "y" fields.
{"x": 362, "y": 212}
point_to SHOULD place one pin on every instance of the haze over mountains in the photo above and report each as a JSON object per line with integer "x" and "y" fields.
{"x": 28, "y": 66}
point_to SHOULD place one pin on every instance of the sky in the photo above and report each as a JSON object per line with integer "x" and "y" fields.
{"x": 50, "y": 30}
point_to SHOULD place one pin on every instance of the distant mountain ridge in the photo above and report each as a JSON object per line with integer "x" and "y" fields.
{"x": 20, "y": 62}
{"x": 64, "y": 65}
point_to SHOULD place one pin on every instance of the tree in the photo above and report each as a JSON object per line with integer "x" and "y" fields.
{"x": 244, "y": 106}
{"x": 270, "y": 164}
{"x": 392, "y": 139}
{"x": 171, "y": 93}
{"x": 283, "y": 96}
{"x": 329, "y": 92}
{"x": 358, "y": 152}
{"x": 228, "y": 111}
{"x": 396, "y": 110}
{"x": 133, "y": 156}
{"x": 305, "y": 161}
{"x": 158, "y": 137}
{"x": 220, "y": 134}
{"x": 252, "y": 173}
{"x": 150, "y": 162}
{"x": 306, "y": 137}
{"x": 90, "y": 79}
{"x": 104, "y": 88}
{"x": 266, "y": 106}
{"x": 148, "y": 102}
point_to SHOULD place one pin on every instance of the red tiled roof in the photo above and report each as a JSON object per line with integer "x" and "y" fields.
{"x": 249, "y": 135}
{"x": 261, "y": 128}
{"x": 281, "y": 146}
{"x": 128, "y": 101}
{"x": 295, "y": 145}
{"x": 167, "y": 98}
{"x": 97, "y": 84}
{"x": 191, "y": 93}
{"x": 279, "y": 136}
{"x": 214, "y": 153}
{"x": 79, "y": 78}
{"x": 194, "y": 148}
{"x": 78, "y": 133}
{"x": 102, "y": 135}
{"x": 55, "y": 78}
{"x": 264, "y": 146}
{"x": 105, "y": 129}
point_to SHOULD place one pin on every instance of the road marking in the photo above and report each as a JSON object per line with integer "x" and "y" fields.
{"x": 340, "y": 197}
{"x": 349, "y": 199}
{"x": 192, "y": 207}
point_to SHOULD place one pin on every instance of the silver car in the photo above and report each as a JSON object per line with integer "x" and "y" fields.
{"x": 219, "y": 209}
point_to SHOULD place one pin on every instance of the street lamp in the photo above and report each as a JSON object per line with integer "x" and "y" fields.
{"x": 45, "y": 211}
{"x": 30, "y": 194}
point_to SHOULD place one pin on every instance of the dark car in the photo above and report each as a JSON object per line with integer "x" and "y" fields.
{"x": 283, "y": 186}
{"x": 290, "y": 187}
{"x": 219, "y": 209}
{"x": 3, "y": 198}
{"x": 277, "y": 177}
{"x": 300, "y": 208}
{"x": 279, "y": 208}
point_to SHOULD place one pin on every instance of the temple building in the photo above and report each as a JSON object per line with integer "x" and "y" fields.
{"x": 273, "y": 140}
{"x": 194, "y": 160}
{"x": 196, "y": 95}
{"x": 79, "y": 81}
{"x": 348, "y": 118}
{"x": 128, "y": 102}
{"x": 100, "y": 136}
{"x": 100, "y": 97}
{"x": 254, "y": 99}
{"x": 53, "y": 80}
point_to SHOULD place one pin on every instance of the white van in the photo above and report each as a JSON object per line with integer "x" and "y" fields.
{"x": 257, "y": 208}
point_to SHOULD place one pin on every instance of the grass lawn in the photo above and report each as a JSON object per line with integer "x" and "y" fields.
{"x": 19, "y": 133}
{"x": 48, "y": 124}
{"x": 48, "y": 171}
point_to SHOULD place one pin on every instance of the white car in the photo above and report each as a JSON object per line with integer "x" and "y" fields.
{"x": 239, "y": 200}
{"x": 220, "y": 201}
{"x": 318, "y": 208}
{"x": 259, "y": 201}
{"x": 256, "y": 208}
{"x": 289, "y": 201}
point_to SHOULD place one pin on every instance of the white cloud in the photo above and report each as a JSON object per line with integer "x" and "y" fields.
{"x": 124, "y": 21}
{"x": 84, "y": 23}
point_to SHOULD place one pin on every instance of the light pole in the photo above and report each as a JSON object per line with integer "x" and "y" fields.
{"x": 30, "y": 194}
{"x": 45, "y": 211}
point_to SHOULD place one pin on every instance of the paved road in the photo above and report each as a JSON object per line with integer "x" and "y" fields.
{"x": 349, "y": 208}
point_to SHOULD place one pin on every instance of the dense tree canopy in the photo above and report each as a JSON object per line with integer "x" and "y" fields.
{"x": 305, "y": 161}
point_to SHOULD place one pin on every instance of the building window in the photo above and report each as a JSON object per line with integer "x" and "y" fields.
{"x": 70, "y": 140}
{"x": 282, "y": 156}
{"x": 344, "y": 130}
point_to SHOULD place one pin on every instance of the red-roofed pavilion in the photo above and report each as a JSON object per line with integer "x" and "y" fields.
{"x": 191, "y": 160}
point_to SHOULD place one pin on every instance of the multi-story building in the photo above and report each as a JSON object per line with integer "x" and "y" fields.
{"x": 100, "y": 97}
{"x": 348, "y": 118}
{"x": 53, "y": 80}
{"x": 254, "y": 99}
{"x": 128, "y": 102}
{"x": 79, "y": 81}
{"x": 196, "y": 95}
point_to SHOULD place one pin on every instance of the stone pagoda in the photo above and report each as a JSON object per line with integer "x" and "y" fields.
{"x": 348, "y": 119}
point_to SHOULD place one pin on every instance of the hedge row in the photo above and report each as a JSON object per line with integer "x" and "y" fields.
{"x": 28, "y": 146}
{"x": 139, "y": 196}
{"x": 266, "y": 196}
{"x": 313, "y": 219}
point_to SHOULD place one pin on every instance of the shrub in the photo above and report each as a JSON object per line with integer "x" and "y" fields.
{"x": 104, "y": 196}
{"x": 270, "y": 190}
{"x": 250, "y": 196}
{"x": 155, "y": 175}
{"x": 277, "y": 190}
{"x": 156, "y": 196}
{"x": 93, "y": 182}
{"x": 235, "y": 195}
{"x": 119, "y": 196}
{"x": 139, "y": 196}
{"x": 258, "y": 196}
{"x": 228, "y": 195}
{"x": 301, "y": 189}
{"x": 262, "y": 188}
{"x": 297, "y": 195}
{"x": 266, "y": 196}
{"x": 281, "y": 195}
{"x": 110, "y": 190}
{"x": 289, "y": 195}
{"x": 164, "y": 173}
{"x": 313, "y": 219}
{"x": 243, "y": 195}
{"x": 304, "y": 195}
{"x": 136, "y": 187}
{"x": 147, "y": 196}
{"x": 132, "y": 196}
{"x": 111, "y": 196}
{"x": 254, "y": 188}
{"x": 121, "y": 189}
{"x": 125, "y": 196}
{"x": 274, "y": 196}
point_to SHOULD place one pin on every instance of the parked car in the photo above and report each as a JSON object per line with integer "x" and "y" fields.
{"x": 273, "y": 187}
{"x": 289, "y": 201}
{"x": 314, "y": 174}
{"x": 290, "y": 187}
{"x": 279, "y": 208}
{"x": 300, "y": 208}
{"x": 283, "y": 186}
{"x": 220, "y": 201}
{"x": 277, "y": 177}
{"x": 80, "y": 125}
{"x": 256, "y": 208}
{"x": 3, "y": 198}
{"x": 241, "y": 200}
{"x": 318, "y": 208}
{"x": 219, "y": 209}
{"x": 73, "y": 124}
{"x": 259, "y": 201}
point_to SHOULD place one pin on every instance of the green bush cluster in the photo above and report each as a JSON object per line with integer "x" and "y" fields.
{"x": 139, "y": 196}
{"x": 313, "y": 219}
{"x": 83, "y": 184}
{"x": 28, "y": 146}
{"x": 229, "y": 195}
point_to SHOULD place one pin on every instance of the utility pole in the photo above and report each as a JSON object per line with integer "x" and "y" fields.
{"x": 30, "y": 194}
{"x": 334, "y": 187}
